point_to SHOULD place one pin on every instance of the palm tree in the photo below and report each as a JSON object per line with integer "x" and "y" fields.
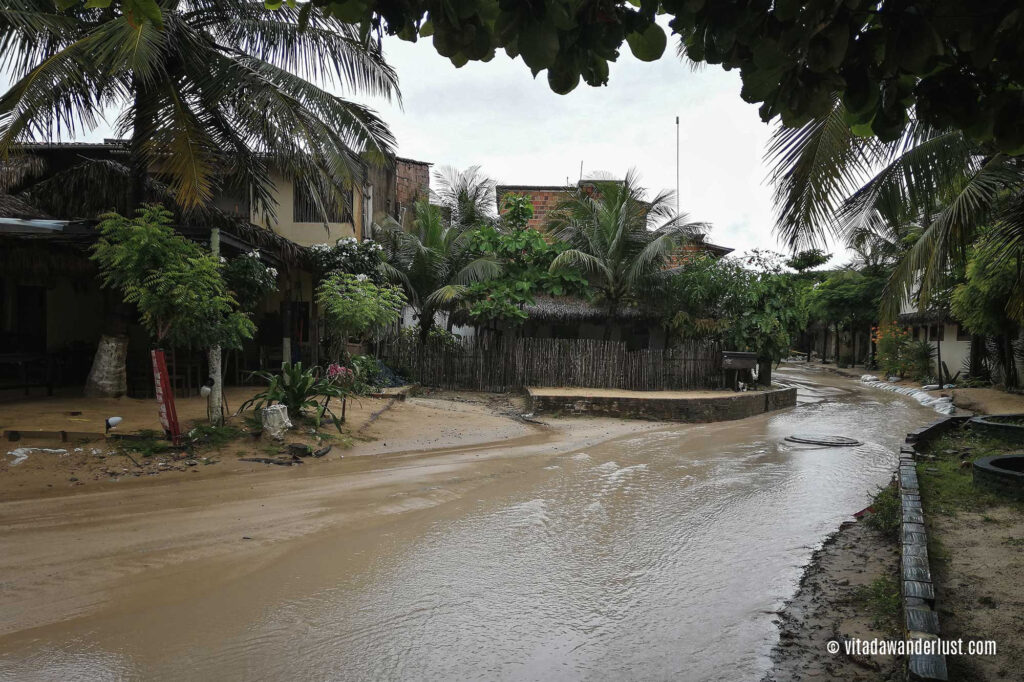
{"x": 434, "y": 263}
{"x": 212, "y": 99}
{"x": 468, "y": 195}
{"x": 618, "y": 237}
{"x": 213, "y": 95}
{"x": 932, "y": 184}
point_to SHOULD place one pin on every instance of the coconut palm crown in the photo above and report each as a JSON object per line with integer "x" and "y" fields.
{"x": 212, "y": 98}
{"x": 619, "y": 237}
{"x": 434, "y": 263}
{"x": 931, "y": 189}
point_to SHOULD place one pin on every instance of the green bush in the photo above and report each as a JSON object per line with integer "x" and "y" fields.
{"x": 299, "y": 390}
{"x": 919, "y": 356}
{"x": 368, "y": 370}
{"x": 886, "y": 511}
{"x": 882, "y": 597}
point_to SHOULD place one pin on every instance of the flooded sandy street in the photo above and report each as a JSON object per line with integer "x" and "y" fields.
{"x": 659, "y": 554}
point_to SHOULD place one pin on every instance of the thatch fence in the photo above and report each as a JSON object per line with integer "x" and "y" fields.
{"x": 499, "y": 365}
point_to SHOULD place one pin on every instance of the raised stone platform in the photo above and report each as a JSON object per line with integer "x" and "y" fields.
{"x": 684, "y": 406}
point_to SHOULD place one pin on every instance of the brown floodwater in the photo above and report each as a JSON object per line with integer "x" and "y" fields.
{"x": 656, "y": 555}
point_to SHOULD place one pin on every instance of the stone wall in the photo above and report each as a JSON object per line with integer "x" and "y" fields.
{"x": 725, "y": 408}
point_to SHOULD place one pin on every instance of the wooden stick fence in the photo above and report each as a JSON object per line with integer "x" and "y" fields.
{"x": 499, "y": 365}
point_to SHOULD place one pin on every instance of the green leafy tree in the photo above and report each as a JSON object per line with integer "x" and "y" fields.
{"x": 979, "y": 303}
{"x": 808, "y": 260}
{"x": 846, "y": 299}
{"x": 748, "y": 304}
{"x": 526, "y": 258}
{"x": 771, "y": 313}
{"x": 354, "y": 307}
{"x": 618, "y": 238}
{"x": 700, "y": 300}
{"x": 177, "y": 287}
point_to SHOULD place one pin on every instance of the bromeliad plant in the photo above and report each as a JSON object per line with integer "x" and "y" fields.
{"x": 300, "y": 390}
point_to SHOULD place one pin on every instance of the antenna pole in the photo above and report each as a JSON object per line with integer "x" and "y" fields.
{"x": 677, "y": 166}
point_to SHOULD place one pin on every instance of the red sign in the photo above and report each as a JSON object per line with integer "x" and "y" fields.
{"x": 165, "y": 398}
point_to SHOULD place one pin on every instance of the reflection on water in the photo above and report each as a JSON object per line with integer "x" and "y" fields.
{"x": 657, "y": 556}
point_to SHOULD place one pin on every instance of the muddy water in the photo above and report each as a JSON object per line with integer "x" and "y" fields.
{"x": 659, "y": 555}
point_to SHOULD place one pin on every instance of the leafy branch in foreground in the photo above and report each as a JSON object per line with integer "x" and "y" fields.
{"x": 955, "y": 63}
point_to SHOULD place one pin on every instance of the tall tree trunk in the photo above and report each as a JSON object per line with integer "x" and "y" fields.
{"x": 1009, "y": 362}
{"x": 976, "y": 363}
{"x": 108, "y": 375}
{"x": 286, "y": 322}
{"x": 764, "y": 371}
{"x": 214, "y": 355}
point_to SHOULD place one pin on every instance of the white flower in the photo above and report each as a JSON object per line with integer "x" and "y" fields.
{"x": 273, "y": 272}
{"x": 362, "y": 278}
{"x": 223, "y": 259}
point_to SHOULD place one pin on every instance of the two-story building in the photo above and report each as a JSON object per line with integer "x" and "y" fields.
{"x": 53, "y": 310}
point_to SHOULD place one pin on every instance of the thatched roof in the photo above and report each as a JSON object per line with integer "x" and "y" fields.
{"x": 567, "y": 309}
{"x": 936, "y": 316}
{"x": 13, "y": 207}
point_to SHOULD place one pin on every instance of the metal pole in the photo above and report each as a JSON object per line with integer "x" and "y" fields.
{"x": 677, "y": 165}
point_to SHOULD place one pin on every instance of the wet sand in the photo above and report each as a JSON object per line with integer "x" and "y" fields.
{"x": 462, "y": 544}
{"x": 67, "y": 552}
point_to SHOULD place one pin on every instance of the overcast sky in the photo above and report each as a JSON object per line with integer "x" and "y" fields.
{"x": 497, "y": 116}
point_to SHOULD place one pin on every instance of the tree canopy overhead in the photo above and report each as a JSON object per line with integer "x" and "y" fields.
{"x": 958, "y": 63}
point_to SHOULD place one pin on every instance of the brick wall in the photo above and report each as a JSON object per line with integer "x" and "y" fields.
{"x": 682, "y": 254}
{"x": 544, "y": 199}
{"x": 412, "y": 181}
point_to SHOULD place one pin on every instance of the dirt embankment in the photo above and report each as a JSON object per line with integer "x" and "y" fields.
{"x": 844, "y": 593}
{"x": 977, "y": 556}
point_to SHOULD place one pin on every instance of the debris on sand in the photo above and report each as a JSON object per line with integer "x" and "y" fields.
{"x": 21, "y": 454}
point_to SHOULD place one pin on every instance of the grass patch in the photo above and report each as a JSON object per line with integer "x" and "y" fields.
{"x": 947, "y": 482}
{"x": 214, "y": 436}
{"x": 882, "y": 599}
{"x": 146, "y": 442}
{"x": 886, "y": 512}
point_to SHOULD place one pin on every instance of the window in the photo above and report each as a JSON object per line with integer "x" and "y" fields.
{"x": 937, "y": 333}
{"x": 304, "y": 209}
{"x": 961, "y": 333}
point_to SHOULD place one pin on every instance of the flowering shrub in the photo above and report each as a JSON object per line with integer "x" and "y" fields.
{"x": 348, "y": 255}
{"x": 250, "y": 279}
{"x": 341, "y": 376}
{"x": 354, "y": 307}
{"x": 891, "y": 343}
